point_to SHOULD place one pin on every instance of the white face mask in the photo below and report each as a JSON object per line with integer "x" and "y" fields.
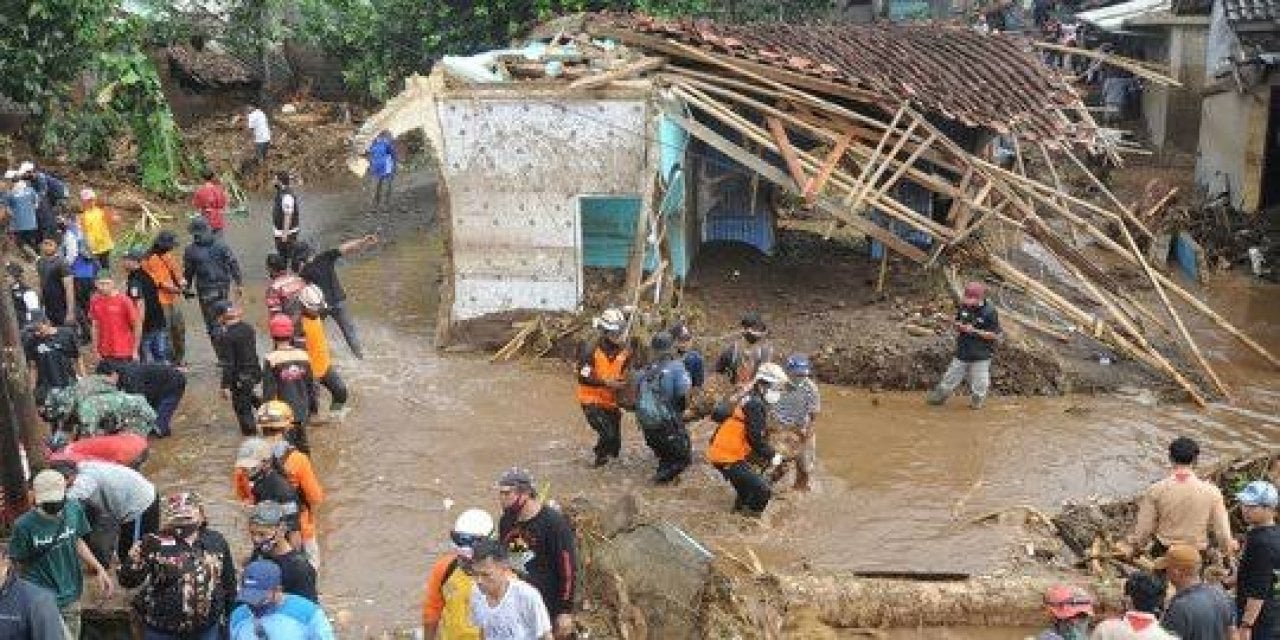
{"x": 772, "y": 396}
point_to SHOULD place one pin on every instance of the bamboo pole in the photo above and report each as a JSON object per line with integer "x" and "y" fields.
{"x": 1189, "y": 341}
{"x": 1101, "y": 328}
{"x": 1057, "y": 184}
{"x": 865, "y": 187}
{"x": 789, "y": 157}
{"x": 875, "y": 155}
{"x": 888, "y": 205}
{"x": 1128, "y": 64}
{"x": 906, "y": 164}
{"x": 817, "y": 182}
{"x": 1125, "y": 214}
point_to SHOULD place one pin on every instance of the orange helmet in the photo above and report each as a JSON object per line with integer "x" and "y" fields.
{"x": 275, "y": 413}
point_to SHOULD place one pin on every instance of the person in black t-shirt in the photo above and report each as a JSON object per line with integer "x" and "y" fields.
{"x": 143, "y": 291}
{"x": 320, "y": 269}
{"x": 977, "y": 332}
{"x": 1257, "y": 606}
{"x": 237, "y": 347}
{"x": 268, "y": 530}
{"x": 542, "y": 537}
{"x": 57, "y": 286}
{"x": 53, "y": 355}
{"x": 162, "y": 385}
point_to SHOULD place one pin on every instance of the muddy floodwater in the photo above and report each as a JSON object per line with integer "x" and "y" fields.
{"x": 428, "y": 433}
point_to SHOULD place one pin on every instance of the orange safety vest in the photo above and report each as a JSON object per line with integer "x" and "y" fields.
{"x": 605, "y": 369}
{"x": 729, "y": 445}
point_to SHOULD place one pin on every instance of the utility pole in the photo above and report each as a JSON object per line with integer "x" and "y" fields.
{"x": 19, "y": 425}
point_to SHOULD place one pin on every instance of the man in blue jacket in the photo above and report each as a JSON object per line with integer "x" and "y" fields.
{"x": 382, "y": 166}
{"x": 266, "y": 611}
{"x": 664, "y": 429}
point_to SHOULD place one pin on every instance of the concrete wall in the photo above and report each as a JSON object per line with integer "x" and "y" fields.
{"x": 1233, "y": 135}
{"x": 1172, "y": 114}
{"x": 516, "y": 163}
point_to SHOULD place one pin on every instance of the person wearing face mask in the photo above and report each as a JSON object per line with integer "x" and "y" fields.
{"x": 259, "y": 479}
{"x": 269, "y": 532}
{"x": 186, "y": 574}
{"x": 121, "y": 504}
{"x": 46, "y": 543}
{"x": 740, "y": 361}
{"x": 602, "y": 372}
{"x": 266, "y": 612}
{"x": 446, "y": 610}
{"x": 542, "y": 536}
{"x": 1070, "y": 610}
{"x": 977, "y": 332}
{"x": 27, "y": 612}
{"x": 741, "y": 437}
{"x": 1143, "y": 595}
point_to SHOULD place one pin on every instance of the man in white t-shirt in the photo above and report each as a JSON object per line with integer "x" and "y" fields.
{"x": 260, "y": 129}
{"x": 503, "y": 606}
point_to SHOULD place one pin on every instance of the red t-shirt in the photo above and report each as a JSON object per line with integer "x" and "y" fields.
{"x": 211, "y": 200}
{"x": 114, "y": 317}
{"x": 120, "y": 448}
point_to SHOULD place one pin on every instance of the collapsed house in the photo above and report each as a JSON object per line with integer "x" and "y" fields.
{"x": 631, "y": 141}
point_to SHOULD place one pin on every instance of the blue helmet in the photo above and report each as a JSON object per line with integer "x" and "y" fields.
{"x": 798, "y": 365}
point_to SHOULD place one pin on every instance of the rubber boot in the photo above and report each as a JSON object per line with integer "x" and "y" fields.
{"x": 976, "y": 401}
{"x": 936, "y": 397}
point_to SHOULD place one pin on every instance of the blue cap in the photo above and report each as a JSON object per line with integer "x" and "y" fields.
{"x": 260, "y": 578}
{"x": 1259, "y": 493}
{"x": 798, "y": 364}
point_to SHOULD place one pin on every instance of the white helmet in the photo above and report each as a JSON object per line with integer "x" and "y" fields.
{"x": 474, "y": 522}
{"x": 312, "y": 298}
{"x": 771, "y": 373}
{"x": 611, "y": 320}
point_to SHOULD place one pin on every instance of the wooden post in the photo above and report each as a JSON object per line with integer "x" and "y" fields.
{"x": 19, "y": 424}
{"x": 884, "y": 271}
{"x": 788, "y": 152}
{"x": 819, "y": 181}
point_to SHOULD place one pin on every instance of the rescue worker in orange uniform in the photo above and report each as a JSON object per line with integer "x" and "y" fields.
{"x": 275, "y": 419}
{"x": 602, "y": 371}
{"x": 446, "y": 611}
{"x": 740, "y": 439}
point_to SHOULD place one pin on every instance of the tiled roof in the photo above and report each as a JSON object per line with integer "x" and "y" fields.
{"x": 1252, "y": 10}
{"x": 1255, "y": 22}
{"x": 959, "y": 73}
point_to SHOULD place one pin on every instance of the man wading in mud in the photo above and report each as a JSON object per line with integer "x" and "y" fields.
{"x": 602, "y": 371}
{"x": 541, "y": 535}
{"x": 977, "y": 332}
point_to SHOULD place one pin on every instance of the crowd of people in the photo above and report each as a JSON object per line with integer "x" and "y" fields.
{"x": 1183, "y": 522}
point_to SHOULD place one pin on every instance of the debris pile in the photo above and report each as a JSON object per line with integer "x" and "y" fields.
{"x": 309, "y": 139}
{"x": 208, "y": 68}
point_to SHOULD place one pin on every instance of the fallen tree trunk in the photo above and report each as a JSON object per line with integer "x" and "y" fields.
{"x": 848, "y": 602}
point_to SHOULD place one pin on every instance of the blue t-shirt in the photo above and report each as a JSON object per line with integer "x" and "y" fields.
{"x": 22, "y": 201}
{"x": 295, "y": 618}
{"x": 382, "y": 157}
{"x": 694, "y": 364}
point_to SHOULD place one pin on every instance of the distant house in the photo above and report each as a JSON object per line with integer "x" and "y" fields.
{"x": 1172, "y": 35}
{"x": 1240, "y": 122}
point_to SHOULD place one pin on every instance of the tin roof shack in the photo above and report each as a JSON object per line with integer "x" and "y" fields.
{"x": 1172, "y": 37}
{"x": 1240, "y": 122}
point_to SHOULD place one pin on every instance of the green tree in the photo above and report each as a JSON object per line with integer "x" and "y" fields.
{"x": 48, "y": 43}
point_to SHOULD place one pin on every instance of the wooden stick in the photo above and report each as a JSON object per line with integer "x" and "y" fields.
{"x": 819, "y": 181}
{"x": 1032, "y": 286}
{"x": 1164, "y": 297}
{"x": 884, "y": 271}
{"x": 897, "y": 175}
{"x": 1031, "y": 323}
{"x": 789, "y": 156}
{"x": 864, "y": 188}
{"x": 875, "y": 155}
{"x": 633, "y": 68}
{"x": 1150, "y": 214}
{"x": 1125, "y": 214}
{"x": 1128, "y": 64}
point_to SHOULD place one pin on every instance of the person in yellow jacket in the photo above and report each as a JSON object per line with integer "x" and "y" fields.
{"x": 602, "y": 372}
{"x": 740, "y": 440}
{"x": 446, "y": 611}
{"x": 95, "y": 222}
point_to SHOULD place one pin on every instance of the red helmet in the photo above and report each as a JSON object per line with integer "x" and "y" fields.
{"x": 280, "y": 326}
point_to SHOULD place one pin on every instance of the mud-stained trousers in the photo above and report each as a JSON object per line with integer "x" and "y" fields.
{"x": 670, "y": 444}
{"x": 608, "y": 427}
{"x": 753, "y": 490}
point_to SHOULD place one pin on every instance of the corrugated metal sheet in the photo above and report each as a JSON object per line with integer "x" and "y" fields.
{"x": 673, "y": 143}
{"x": 1113, "y": 18}
{"x": 734, "y": 205}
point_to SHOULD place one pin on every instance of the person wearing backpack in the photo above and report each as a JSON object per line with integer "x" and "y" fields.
{"x": 283, "y": 288}
{"x": 602, "y": 371}
{"x": 260, "y": 478}
{"x": 277, "y": 423}
{"x": 661, "y": 394}
{"x": 446, "y": 611}
{"x": 210, "y": 267}
{"x": 186, "y": 574}
{"x": 287, "y": 376}
{"x": 740, "y": 440}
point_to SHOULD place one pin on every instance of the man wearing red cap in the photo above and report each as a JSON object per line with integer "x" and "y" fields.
{"x": 287, "y": 374}
{"x": 977, "y": 331}
{"x": 1070, "y": 609}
